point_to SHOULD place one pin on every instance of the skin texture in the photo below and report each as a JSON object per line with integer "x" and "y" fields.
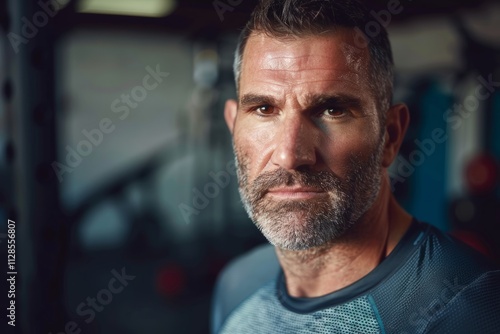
{"x": 306, "y": 113}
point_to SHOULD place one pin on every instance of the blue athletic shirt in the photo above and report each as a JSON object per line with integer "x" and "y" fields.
{"x": 430, "y": 283}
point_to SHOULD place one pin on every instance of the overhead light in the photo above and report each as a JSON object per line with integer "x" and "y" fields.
{"x": 151, "y": 8}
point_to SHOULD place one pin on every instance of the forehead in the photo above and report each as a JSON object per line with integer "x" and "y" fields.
{"x": 328, "y": 58}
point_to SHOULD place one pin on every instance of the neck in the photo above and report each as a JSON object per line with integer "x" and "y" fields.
{"x": 318, "y": 271}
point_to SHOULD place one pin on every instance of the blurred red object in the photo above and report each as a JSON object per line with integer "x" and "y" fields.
{"x": 171, "y": 280}
{"x": 481, "y": 174}
{"x": 474, "y": 240}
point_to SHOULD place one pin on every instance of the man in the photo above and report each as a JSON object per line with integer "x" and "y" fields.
{"x": 314, "y": 132}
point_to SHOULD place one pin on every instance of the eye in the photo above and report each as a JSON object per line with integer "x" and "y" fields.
{"x": 264, "y": 110}
{"x": 334, "y": 112}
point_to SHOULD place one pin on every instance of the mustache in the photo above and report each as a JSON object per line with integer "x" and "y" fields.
{"x": 322, "y": 180}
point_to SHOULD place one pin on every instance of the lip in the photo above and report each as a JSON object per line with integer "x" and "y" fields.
{"x": 295, "y": 192}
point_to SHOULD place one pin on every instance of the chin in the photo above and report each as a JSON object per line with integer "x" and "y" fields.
{"x": 299, "y": 231}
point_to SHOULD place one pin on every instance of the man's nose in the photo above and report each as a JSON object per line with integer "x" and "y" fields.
{"x": 295, "y": 143}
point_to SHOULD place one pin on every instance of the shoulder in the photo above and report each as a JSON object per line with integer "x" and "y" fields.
{"x": 458, "y": 256}
{"x": 462, "y": 286}
{"x": 474, "y": 308}
{"x": 240, "y": 279}
{"x": 435, "y": 276}
{"x": 248, "y": 271}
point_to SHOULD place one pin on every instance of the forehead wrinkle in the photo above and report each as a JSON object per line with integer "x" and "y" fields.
{"x": 307, "y": 62}
{"x": 295, "y": 78}
{"x": 291, "y": 62}
{"x": 279, "y": 54}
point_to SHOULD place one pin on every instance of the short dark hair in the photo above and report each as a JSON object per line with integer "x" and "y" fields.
{"x": 297, "y": 18}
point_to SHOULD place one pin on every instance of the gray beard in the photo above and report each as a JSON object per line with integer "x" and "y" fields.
{"x": 304, "y": 224}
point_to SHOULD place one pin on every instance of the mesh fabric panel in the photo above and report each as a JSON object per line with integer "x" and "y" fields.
{"x": 431, "y": 286}
{"x": 263, "y": 313}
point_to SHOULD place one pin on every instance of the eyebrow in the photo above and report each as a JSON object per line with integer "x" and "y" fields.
{"x": 256, "y": 99}
{"x": 313, "y": 101}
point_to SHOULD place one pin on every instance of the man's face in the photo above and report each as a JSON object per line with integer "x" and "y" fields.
{"x": 306, "y": 136}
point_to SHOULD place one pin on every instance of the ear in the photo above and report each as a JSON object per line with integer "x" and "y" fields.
{"x": 230, "y": 110}
{"x": 398, "y": 118}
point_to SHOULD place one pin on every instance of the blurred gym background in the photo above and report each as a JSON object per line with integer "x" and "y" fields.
{"x": 115, "y": 160}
